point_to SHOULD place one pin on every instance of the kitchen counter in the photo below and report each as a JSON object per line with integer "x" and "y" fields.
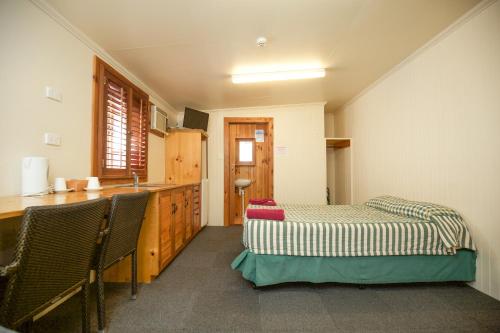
{"x": 165, "y": 231}
{"x": 14, "y": 206}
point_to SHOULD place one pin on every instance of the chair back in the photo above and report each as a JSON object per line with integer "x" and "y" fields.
{"x": 54, "y": 252}
{"x": 124, "y": 225}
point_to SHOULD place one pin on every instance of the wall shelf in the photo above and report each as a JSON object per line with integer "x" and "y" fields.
{"x": 337, "y": 143}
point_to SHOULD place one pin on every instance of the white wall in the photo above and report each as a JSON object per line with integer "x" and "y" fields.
{"x": 430, "y": 130}
{"x": 342, "y": 170}
{"x": 299, "y": 176}
{"x": 36, "y": 51}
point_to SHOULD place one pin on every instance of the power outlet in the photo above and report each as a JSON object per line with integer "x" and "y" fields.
{"x": 52, "y": 139}
{"x": 53, "y": 94}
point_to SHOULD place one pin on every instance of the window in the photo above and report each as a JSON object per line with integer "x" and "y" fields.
{"x": 245, "y": 151}
{"x": 121, "y": 126}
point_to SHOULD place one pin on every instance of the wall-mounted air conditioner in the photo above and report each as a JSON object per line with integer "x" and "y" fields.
{"x": 159, "y": 119}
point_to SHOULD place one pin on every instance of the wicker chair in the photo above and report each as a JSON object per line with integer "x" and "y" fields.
{"x": 53, "y": 258}
{"x": 121, "y": 236}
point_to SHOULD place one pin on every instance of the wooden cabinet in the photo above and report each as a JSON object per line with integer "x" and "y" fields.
{"x": 183, "y": 156}
{"x": 171, "y": 222}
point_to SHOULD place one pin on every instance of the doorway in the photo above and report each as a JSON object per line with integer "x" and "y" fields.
{"x": 248, "y": 154}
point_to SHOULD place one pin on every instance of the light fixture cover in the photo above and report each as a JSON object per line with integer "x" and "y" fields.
{"x": 278, "y": 75}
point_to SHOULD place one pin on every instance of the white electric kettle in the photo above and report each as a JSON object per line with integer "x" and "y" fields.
{"x": 35, "y": 173}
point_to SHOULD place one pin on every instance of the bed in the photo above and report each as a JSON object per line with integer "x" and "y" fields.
{"x": 385, "y": 240}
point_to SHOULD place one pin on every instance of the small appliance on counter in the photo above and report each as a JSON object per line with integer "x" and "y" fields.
{"x": 35, "y": 173}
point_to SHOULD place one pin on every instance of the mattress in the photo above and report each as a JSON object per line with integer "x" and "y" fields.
{"x": 354, "y": 230}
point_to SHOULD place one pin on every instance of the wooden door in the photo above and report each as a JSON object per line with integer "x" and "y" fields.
{"x": 179, "y": 227}
{"x": 240, "y": 135}
{"x": 166, "y": 230}
{"x": 188, "y": 212}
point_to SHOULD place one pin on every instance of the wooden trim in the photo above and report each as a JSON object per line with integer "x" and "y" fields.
{"x": 204, "y": 135}
{"x": 120, "y": 180}
{"x": 249, "y": 120}
{"x": 156, "y": 132}
{"x": 226, "y": 173}
{"x": 270, "y": 136}
{"x": 119, "y": 76}
{"x": 270, "y": 126}
{"x": 337, "y": 143}
{"x": 98, "y": 119}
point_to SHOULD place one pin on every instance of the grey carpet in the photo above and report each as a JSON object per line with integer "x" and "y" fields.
{"x": 199, "y": 292}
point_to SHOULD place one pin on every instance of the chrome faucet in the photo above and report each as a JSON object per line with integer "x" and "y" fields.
{"x": 136, "y": 179}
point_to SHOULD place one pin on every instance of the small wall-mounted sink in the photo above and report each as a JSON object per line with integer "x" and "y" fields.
{"x": 242, "y": 182}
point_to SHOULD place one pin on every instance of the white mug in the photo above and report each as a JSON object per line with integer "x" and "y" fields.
{"x": 60, "y": 184}
{"x": 93, "y": 183}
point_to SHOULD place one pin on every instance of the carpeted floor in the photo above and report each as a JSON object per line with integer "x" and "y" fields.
{"x": 199, "y": 292}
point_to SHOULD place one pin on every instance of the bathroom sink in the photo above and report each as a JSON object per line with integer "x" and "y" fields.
{"x": 242, "y": 183}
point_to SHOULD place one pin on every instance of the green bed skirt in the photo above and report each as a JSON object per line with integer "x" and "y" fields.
{"x": 266, "y": 270}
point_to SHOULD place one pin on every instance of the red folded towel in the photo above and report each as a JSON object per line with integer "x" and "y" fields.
{"x": 266, "y": 214}
{"x": 262, "y": 202}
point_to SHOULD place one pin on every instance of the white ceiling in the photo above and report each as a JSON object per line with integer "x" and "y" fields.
{"x": 186, "y": 50}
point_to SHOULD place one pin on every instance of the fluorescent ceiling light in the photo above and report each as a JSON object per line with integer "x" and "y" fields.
{"x": 279, "y": 76}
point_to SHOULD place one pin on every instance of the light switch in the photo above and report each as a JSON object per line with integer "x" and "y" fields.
{"x": 52, "y": 139}
{"x": 53, "y": 94}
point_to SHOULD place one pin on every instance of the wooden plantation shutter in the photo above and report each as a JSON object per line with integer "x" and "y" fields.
{"x": 116, "y": 114}
{"x": 121, "y": 127}
{"x": 139, "y": 134}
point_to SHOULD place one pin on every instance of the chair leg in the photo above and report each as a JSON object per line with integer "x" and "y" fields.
{"x": 134, "y": 274}
{"x": 27, "y": 326}
{"x": 84, "y": 297}
{"x": 101, "y": 314}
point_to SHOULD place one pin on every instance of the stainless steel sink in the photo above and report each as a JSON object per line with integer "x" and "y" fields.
{"x": 146, "y": 185}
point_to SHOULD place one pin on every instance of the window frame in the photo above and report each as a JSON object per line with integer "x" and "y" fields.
{"x": 237, "y": 155}
{"x": 114, "y": 176}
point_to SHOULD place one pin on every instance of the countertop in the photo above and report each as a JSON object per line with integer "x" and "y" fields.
{"x": 13, "y": 206}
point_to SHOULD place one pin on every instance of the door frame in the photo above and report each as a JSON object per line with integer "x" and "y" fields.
{"x": 270, "y": 135}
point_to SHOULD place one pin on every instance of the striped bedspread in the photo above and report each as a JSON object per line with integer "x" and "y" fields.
{"x": 354, "y": 230}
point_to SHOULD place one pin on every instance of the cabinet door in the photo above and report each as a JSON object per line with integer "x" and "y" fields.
{"x": 166, "y": 244}
{"x": 179, "y": 227}
{"x": 190, "y": 153}
{"x": 188, "y": 212}
{"x": 173, "y": 159}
